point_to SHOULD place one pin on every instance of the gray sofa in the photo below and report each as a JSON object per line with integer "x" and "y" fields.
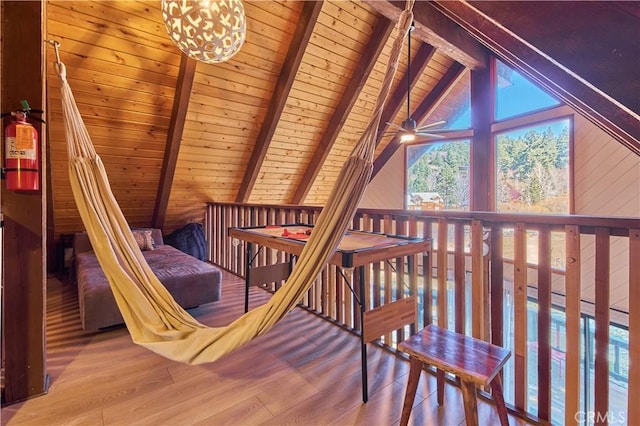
{"x": 190, "y": 281}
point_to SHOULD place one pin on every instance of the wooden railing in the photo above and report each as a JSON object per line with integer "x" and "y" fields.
{"x": 534, "y": 269}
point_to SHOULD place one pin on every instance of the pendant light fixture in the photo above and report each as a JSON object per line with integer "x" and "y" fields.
{"x": 210, "y": 31}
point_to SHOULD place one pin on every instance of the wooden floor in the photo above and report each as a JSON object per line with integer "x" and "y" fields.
{"x": 305, "y": 371}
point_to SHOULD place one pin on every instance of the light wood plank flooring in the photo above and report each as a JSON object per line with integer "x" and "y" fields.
{"x": 305, "y": 371}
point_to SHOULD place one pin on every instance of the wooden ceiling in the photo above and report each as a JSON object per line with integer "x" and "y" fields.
{"x": 275, "y": 123}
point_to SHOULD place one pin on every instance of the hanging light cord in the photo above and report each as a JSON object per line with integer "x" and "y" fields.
{"x": 409, "y": 71}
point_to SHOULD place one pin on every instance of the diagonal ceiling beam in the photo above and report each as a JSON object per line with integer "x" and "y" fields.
{"x": 376, "y": 44}
{"x": 594, "y": 73}
{"x": 396, "y": 101}
{"x": 299, "y": 42}
{"x": 174, "y": 137}
{"x": 434, "y": 28}
{"x": 440, "y": 90}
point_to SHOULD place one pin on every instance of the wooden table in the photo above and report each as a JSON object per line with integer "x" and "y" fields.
{"x": 357, "y": 249}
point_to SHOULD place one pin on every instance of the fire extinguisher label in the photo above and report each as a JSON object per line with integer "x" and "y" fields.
{"x": 23, "y": 145}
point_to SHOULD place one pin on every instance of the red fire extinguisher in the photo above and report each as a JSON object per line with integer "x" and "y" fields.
{"x": 22, "y": 159}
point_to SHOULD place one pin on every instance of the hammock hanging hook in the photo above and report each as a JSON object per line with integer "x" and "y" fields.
{"x": 56, "y": 45}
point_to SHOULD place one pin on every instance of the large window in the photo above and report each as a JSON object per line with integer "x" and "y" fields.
{"x": 515, "y": 95}
{"x": 438, "y": 170}
{"x": 438, "y": 176}
{"x": 531, "y": 155}
{"x": 532, "y": 173}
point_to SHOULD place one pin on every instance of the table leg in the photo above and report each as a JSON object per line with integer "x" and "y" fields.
{"x": 470, "y": 403}
{"x": 247, "y": 273}
{"x": 412, "y": 385}
{"x": 363, "y": 344}
{"x": 440, "y": 385}
{"x": 498, "y": 397}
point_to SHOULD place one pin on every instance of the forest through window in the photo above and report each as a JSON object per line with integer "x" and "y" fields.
{"x": 533, "y": 169}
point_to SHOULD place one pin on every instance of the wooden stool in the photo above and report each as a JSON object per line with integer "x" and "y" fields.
{"x": 474, "y": 361}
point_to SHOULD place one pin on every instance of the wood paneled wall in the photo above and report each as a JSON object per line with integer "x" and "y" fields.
{"x": 606, "y": 183}
{"x": 122, "y": 69}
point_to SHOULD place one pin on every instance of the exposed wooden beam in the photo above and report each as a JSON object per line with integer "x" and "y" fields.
{"x": 422, "y": 112}
{"x": 396, "y": 101}
{"x": 435, "y": 29}
{"x": 596, "y": 74}
{"x": 298, "y": 46}
{"x": 482, "y": 169}
{"x": 174, "y": 138}
{"x": 376, "y": 44}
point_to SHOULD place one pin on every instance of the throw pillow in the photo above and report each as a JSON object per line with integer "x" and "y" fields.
{"x": 144, "y": 239}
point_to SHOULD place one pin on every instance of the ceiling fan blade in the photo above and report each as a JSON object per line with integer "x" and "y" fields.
{"x": 430, "y": 135}
{"x": 430, "y": 125}
{"x": 395, "y": 126}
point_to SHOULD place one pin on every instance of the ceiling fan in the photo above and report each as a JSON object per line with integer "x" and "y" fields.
{"x": 409, "y": 129}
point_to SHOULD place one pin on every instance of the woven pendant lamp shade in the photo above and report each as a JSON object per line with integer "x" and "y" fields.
{"x": 209, "y": 31}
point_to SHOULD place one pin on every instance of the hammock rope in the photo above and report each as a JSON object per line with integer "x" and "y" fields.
{"x": 153, "y": 318}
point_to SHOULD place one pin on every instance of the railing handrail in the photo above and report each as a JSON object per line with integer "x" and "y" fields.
{"x": 618, "y": 225}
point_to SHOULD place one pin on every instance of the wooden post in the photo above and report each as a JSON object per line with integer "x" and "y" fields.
{"x": 24, "y": 252}
{"x": 481, "y": 144}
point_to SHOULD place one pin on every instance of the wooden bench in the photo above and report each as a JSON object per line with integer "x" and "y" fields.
{"x": 474, "y": 361}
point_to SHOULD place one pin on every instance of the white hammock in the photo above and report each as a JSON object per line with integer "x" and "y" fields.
{"x": 153, "y": 318}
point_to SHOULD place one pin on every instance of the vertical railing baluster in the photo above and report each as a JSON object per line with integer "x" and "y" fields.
{"x": 496, "y": 273}
{"x": 633, "y": 411}
{"x": 235, "y": 221}
{"x": 601, "y": 373}
{"x": 520, "y": 317}
{"x": 331, "y": 293}
{"x": 339, "y": 284}
{"x": 413, "y": 270}
{"x": 226, "y": 254}
{"x": 442, "y": 273}
{"x": 572, "y": 311}
{"x": 544, "y": 323}
{"x": 388, "y": 273}
{"x": 459, "y": 274}
{"x": 377, "y": 277}
{"x": 367, "y": 226}
{"x": 478, "y": 296}
{"x": 427, "y": 272}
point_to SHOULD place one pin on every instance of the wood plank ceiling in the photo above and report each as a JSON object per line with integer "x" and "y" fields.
{"x": 272, "y": 125}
